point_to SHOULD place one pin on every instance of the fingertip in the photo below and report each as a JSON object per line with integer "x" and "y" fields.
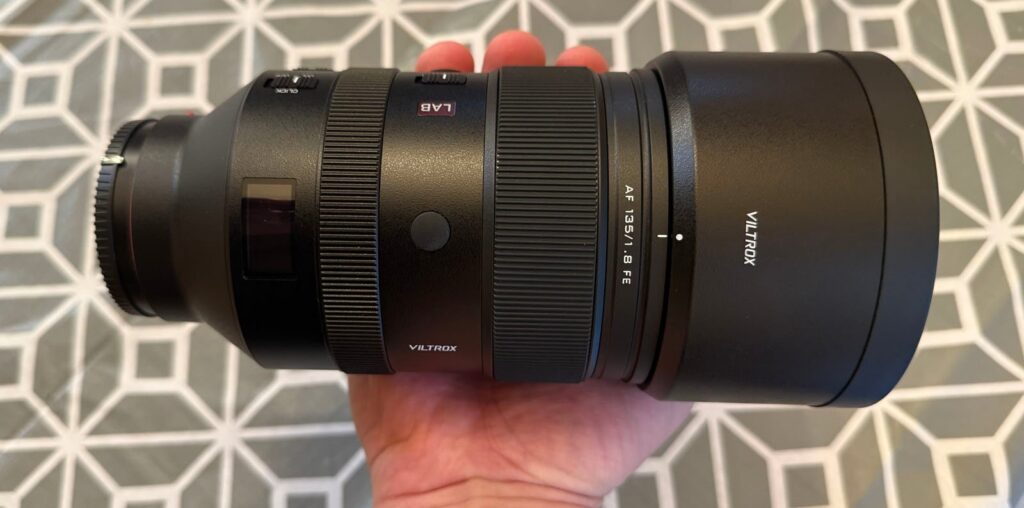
{"x": 514, "y": 47}
{"x": 583, "y": 56}
{"x": 446, "y": 55}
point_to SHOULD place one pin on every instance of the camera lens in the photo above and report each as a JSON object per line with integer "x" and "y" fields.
{"x": 726, "y": 227}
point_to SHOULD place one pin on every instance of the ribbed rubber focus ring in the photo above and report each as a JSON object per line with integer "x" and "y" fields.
{"x": 103, "y": 217}
{"x": 546, "y": 219}
{"x": 348, "y": 223}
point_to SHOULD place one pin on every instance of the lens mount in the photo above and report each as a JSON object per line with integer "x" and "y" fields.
{"x": 115, "y": 255}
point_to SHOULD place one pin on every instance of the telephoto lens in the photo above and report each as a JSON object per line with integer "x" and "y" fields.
{"x": 716, "y": 227}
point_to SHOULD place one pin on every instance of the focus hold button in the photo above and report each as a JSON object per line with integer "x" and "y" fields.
{"x": 430, "y": 231}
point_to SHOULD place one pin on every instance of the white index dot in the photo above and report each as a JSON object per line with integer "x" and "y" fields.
{"x": 679, "y": 237}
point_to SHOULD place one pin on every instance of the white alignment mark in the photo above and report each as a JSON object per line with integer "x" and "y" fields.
{"x": 662, "y": 236}
{"x": 679, "y": 237}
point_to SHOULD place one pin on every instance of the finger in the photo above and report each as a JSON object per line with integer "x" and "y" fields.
{"x": 513, "y": 48}
{"x": 583, "y": 56}
{"x": 447, "y": 55}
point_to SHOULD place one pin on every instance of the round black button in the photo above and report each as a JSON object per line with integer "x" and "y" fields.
{"x": 430, "y": 231}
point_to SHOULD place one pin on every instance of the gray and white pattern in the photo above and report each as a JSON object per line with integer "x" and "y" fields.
{"x": 99, "y": 409}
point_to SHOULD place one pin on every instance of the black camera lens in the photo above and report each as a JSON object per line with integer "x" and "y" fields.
{"x": 727, "y": 227}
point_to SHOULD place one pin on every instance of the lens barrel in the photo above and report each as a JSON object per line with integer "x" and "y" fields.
{"x": 729, "y": 227}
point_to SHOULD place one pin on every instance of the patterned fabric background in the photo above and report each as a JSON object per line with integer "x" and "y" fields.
{"x": 98, "y": 409}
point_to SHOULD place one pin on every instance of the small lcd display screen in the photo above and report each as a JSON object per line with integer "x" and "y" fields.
{"x": 268, "y": 213}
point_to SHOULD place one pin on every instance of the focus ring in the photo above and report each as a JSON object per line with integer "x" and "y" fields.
{"x": 103, "y": 216}
{"x": 348, "y": 220}
{"x": 546, "y": 197}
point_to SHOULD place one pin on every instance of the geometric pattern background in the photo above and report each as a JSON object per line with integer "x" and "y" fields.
{"x": 101, "y": 409}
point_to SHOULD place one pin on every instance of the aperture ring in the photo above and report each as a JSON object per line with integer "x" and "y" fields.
{"x": 546, "y": 223}
{"x": 348, "y": 220}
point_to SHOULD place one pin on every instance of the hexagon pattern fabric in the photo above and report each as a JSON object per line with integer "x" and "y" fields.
{"x": 100, "y": 409}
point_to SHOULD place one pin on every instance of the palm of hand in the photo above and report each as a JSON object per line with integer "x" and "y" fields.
{"x": 427, "y": 431}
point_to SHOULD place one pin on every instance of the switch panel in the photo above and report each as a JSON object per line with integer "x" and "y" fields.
{"x": 300, "y": 81}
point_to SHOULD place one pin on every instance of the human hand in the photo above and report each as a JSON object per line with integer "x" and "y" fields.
{"x": 435, "y": 439}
